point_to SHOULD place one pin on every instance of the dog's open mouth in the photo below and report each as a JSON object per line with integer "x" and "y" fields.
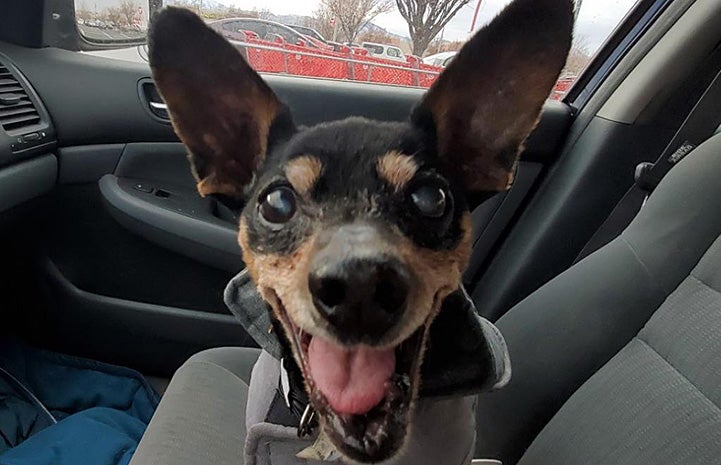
{"x": 363, "y": 395}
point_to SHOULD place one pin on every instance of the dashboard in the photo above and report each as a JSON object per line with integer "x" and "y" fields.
{"x": 28, "y": 167}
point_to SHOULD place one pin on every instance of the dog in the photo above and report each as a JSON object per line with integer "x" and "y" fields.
{"x": 355, "y": 231}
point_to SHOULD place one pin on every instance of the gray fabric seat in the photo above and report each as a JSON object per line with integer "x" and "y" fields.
{"x": 201, "y": 417}
{"x": 657, "y": 400}
{"x": 616, "y": 361}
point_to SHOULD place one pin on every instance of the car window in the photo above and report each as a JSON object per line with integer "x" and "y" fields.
{"x": 308, "y": 32}
{"x": 375, "y": 49}
{"x": 380, "y": 25}
{"x": 282, "y": 32}
{"x": 254, "y": 26}
{"x": 238, "y": 26}
{"x": 231, "y": 26}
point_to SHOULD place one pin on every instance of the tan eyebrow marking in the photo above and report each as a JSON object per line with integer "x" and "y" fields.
{"x": 303, "y": 172}
{"x": 396, "y": 168}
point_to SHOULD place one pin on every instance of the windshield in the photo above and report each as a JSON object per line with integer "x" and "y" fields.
{"x": 376, "y": 49}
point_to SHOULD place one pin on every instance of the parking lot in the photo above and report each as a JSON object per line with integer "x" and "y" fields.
{"x": 99, "y": 34}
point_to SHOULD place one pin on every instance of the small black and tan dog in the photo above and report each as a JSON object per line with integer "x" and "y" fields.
{"x": 355, "y": 231}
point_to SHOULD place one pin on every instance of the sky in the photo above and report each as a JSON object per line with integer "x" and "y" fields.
{"x": 596, "y": 20}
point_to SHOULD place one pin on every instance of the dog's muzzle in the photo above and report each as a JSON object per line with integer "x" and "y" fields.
{"x": 358, "y": 285}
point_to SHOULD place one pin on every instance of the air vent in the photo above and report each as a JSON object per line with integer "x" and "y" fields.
{"x": 17, "y": 111}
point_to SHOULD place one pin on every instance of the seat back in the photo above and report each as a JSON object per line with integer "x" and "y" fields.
{"x": 657, "y": 401}
{"x": 629, "y": 335}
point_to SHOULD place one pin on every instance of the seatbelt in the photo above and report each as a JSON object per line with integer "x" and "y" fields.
{"x": 701, "y": 123}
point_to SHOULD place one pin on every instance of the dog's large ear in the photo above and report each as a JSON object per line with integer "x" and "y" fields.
{"x": 219, "y": 106}
{"x": 488, "y": 100}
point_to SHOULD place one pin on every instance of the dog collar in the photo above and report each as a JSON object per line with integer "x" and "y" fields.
{"x": 466, "y": 353}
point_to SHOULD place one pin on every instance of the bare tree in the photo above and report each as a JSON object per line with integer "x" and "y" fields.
{"x": 114, "y": 15}
{"x": 379, "y": 36}
{"x": 264, "y": 13}
{"x": 438, "y": 46}
{"x": 352, "y": 15}
{"x": 579, "y": 56}
{"x": 82, "y": 11}
{"x": 322, "y": 22}
{"x": 426, "y": 18}
{"x": 128, "y": 10}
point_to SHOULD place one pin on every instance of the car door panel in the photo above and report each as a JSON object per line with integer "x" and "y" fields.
{"x": 154, "y": 339}
{"x": 27, "y": 180}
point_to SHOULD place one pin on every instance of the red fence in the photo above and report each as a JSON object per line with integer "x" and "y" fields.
{"x": 562, "y": 86}
{"x": 271, "y": 57}
{"x": 354, "y": 65}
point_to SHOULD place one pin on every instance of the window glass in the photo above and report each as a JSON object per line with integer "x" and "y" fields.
{"x": 374, "y": 49}
{"x": 112, "y": 21}
{"x": 254, "y": 26}
{"x": 282, "y": 32}
{"x": 231, "y": 26}
{"x": 380, "y": 25}
{"x": 307, "y": 31}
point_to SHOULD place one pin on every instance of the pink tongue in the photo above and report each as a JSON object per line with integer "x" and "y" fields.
{"x": 352, "y": 380}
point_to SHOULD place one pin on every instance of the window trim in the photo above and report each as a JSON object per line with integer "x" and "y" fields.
{"x": 638, "y": 20}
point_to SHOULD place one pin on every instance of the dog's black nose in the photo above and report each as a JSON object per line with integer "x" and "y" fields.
{"x": 362, "y": 298}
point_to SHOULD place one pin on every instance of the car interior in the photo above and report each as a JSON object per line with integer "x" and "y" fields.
{"x": 612, "y": 319}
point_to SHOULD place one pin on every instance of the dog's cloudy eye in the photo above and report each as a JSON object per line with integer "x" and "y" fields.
{"x": 277, "y": 205}
{"x": 430, "y": 200}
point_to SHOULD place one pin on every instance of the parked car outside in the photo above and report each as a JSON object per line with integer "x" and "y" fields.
{"x": 308, "y": 32}
{"x": 389, "y": 52}
{"x": 233, "y": 28}
{"x": 442, "y": 59}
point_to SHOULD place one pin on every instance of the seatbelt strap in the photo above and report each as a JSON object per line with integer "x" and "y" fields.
{"x": 625, "y": 211}
{"x": 701, "y": 123}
